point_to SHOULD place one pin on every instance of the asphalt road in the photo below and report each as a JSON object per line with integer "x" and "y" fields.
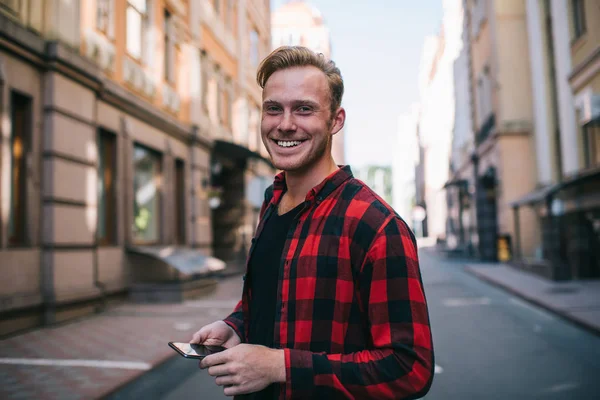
{"x": 488, "y": 345}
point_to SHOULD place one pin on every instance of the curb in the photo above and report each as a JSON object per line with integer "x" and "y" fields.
{"x": 115, "y": 389}
{"x": 558, "y": 312}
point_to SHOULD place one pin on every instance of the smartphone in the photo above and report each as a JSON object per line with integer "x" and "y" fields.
{"x": 196, "y": 351}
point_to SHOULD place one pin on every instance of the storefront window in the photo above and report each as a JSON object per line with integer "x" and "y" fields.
{"x": 592, "y": 141}
{"x": 146, "y": 195}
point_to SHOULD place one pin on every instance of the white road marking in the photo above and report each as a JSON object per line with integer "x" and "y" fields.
{"x": 466, "y": 301}
{"x": 438, "y": 369}
{"x": 527, "y": 306}
{"x": 142, "y": 366}
{"x": 226, "y": 304}
{"x": 561, "y": 387}
{"x": 182, "y": 326}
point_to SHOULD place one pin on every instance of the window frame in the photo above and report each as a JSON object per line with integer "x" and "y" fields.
{"x": 18, "y": 235}
{"x": 107, "y": 150}
{"x": 180, "y": 206}
{"x": 578, "y": 19}
{"x": 592, "y": 152}
{"x": 144, "y": 16}
{"x": 170, "y": 51}
{"x": 254, "y": 52}
{"x": 106, "y": 27}
{"x": 159, "y": 160}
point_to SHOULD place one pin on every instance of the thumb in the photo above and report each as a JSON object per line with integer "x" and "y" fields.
{"x": 200, "y": 336}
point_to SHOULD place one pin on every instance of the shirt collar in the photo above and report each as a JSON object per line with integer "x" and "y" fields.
{"x": 319, "y": 192}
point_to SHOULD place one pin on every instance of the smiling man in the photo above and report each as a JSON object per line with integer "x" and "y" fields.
{"x": 333, "y": 304}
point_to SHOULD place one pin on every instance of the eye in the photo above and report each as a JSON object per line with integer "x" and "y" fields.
{"x": 304, "y": 109}
{"x": 272, "y": 109}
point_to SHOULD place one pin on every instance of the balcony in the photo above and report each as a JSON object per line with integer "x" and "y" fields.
{"x": 100, "y": 50}
{"x": 170, "y": 98}
{"x": 209, "y": 17}
{"x": 137, "y": 77}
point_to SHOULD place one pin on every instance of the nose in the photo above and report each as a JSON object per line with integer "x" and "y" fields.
{"x": 287, "y": 123}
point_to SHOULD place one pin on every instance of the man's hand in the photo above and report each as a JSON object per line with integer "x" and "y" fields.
{"x": 246, "y": 368}
{"x": 216, "y": 334}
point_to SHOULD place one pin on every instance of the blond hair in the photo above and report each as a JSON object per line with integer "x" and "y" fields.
{"x": 298, "y": 56}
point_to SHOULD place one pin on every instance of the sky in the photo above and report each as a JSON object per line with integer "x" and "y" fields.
{"x": 377, "y": 45}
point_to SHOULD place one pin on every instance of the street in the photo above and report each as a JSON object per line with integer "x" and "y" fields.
{"x": 488, "y": 345}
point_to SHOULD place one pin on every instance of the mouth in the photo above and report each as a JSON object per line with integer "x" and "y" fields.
{"x": 288, "y": 144}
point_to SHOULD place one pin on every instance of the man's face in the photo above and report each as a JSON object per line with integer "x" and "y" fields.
{"x": 297, "y": 125}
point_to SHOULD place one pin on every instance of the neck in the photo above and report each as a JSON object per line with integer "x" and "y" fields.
{"x": 299, "y": 183}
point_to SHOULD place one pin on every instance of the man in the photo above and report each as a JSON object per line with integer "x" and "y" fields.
{"x": 333, "y": 303}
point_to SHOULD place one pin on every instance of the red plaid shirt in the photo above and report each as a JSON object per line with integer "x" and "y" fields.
{"x": 351, "y": 313}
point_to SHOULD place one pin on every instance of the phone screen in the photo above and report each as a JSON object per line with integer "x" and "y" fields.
{"x": 192, "y": 350}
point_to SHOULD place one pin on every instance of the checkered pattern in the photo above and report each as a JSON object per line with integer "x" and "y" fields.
{"x": 351, "y": 312}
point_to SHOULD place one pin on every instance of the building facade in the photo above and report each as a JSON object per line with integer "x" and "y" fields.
{"x": 403, "y": 168}
{"x": 436, "y": 119}
{"x": 298, "y": 23}
{"x": 494, "y": 167}
{"x": 565, "y": 66}
{"x": 126, "y": 124}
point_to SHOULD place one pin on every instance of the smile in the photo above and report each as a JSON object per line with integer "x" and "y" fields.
{"x": 288, "y": 143}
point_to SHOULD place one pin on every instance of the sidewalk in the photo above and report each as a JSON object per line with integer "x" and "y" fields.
{"x": 576, "y": 301}
{"x": 94, "y": 356}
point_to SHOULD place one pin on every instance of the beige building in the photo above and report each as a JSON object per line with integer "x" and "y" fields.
{"x": 129, "y": 131}
{"x": 298, "y": 23}
{"x": 564, "y": 43}
{"x": 501, "y": 166}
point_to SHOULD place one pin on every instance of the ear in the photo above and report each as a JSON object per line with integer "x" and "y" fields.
{"x": 338, "y": 121}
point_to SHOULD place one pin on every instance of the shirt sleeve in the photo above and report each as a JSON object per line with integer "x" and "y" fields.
{"x": 236, "y": 321}
{"x": 400, "y": 363}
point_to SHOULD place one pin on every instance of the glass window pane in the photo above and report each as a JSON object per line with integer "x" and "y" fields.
{"x": 134, "y": 32}
{"x": 101, "y": 190}
{"x": 146, "y": 223}
{"x": 140, "y": 5}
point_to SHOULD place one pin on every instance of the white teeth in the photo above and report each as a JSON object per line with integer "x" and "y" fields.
{"x": 286, "y": 143}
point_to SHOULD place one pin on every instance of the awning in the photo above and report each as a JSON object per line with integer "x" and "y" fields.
{"x": 456, "y": 182}
{"x": 551, "y": 190}
{"x": 534, "y": 197}
{"x": 186, "y": 260}
{"x": 236, "y": 151}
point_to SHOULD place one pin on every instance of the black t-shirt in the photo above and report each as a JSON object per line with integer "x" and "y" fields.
{"x": 264, "y": 274}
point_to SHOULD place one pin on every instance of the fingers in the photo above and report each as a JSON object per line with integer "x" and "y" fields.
{"x": 235, "y": 390}
{"x": 227, "y": 380}
{"x": 215, "y": 359}
{"x": 199, "y": 336}
{"x": 220, "y": 370}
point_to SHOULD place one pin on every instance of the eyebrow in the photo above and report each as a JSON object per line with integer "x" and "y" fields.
{"x": 295, "y": 103}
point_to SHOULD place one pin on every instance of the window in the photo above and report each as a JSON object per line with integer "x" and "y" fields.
{"x": 180, "y": 201}
{"x": 146, "y": 195}
{"x": 591, "y": 133}
{"x": 578, "y": 15}
{"x": 107, "y": 166}
{"x": 136, "y": 27}
{"x": 204, "y": 82}
{"x": 104, "y": 17}
{"x": 254, "y": 55}
{"x": 169, "y": 44}
{"x": 219, "y": 100}
{"x": 19, "y": 153}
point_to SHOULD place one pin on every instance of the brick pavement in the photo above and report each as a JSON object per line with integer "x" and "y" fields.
{"x": 134, "y": 333}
